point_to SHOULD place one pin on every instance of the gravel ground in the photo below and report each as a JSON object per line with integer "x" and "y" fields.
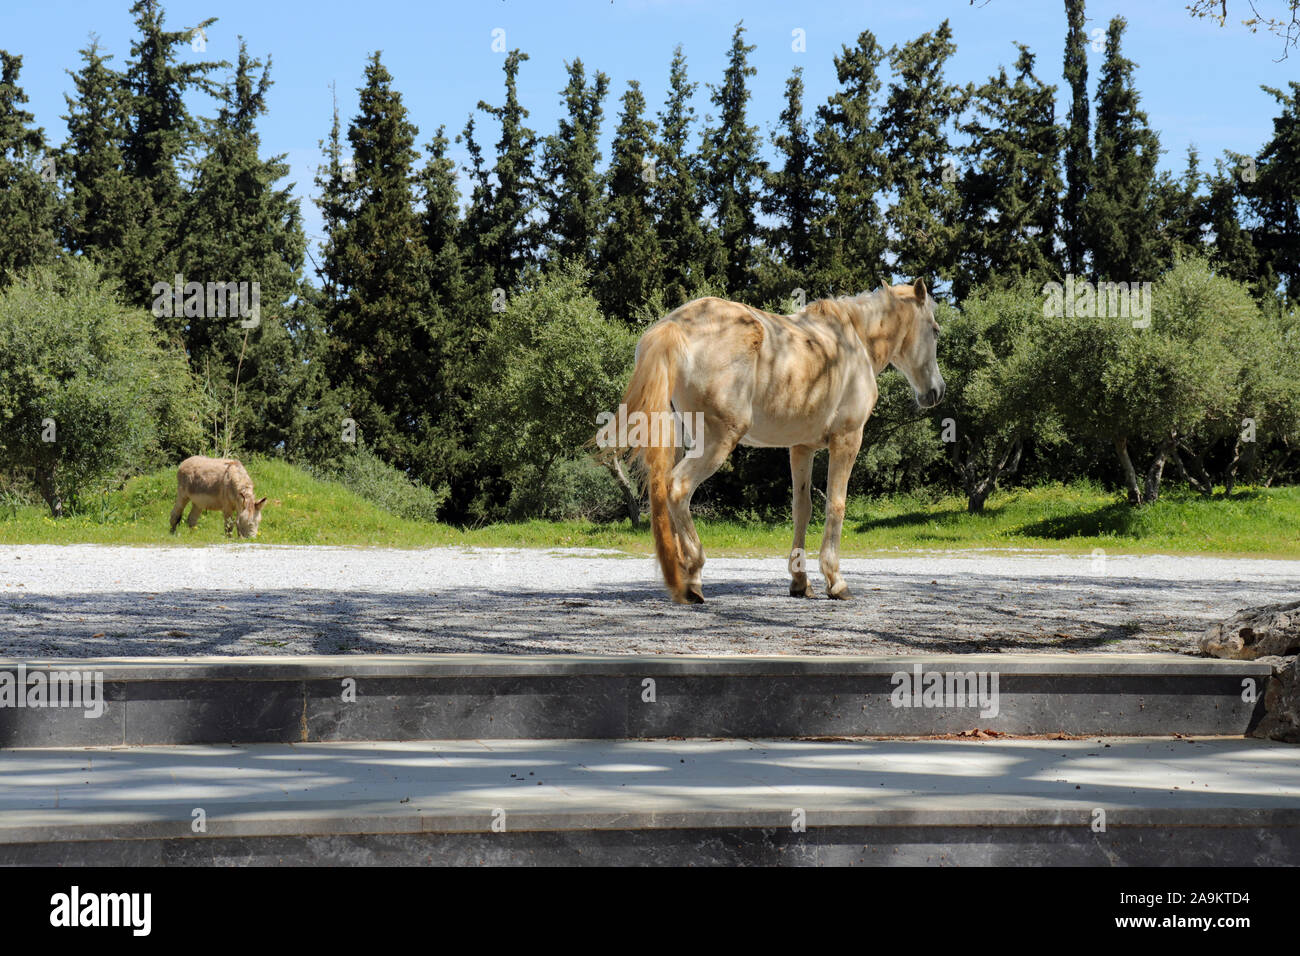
{"x": 97, "y": 601}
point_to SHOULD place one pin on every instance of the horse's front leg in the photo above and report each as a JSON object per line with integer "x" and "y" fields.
{"x": 801, "y": 462}
{"x": 716, "y": 440}
{"x": 844, "y": 452}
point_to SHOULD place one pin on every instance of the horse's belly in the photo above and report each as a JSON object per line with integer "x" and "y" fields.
{"x": 782, "y": 434}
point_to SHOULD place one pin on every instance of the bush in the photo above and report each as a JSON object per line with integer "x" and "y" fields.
{"x": 88, "y": 392}
{"x": 376, "y": 481}
{"x": 550, "y": 364}
{"x": 580, "y": 488}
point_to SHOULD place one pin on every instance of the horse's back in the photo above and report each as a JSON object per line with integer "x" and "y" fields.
{"x": 213, "y": 483}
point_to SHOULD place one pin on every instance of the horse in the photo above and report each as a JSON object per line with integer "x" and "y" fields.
{"x": 217, "y": 484}
{"x": 805, "y": 381}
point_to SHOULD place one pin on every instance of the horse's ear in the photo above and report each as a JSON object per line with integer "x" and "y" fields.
{"x": 918, "y": 288}
{"x": 885, "y": 286}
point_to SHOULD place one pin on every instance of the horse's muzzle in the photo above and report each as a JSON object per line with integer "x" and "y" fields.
{"x": 931, "y": 398}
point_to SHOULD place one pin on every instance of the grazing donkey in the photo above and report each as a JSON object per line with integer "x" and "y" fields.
{"x": 803, "y": 382}
{"x": 217, "y": 484}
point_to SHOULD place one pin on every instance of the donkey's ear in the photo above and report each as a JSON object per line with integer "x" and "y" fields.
{"x": 918, "y": 288}
{"x": 258, "y": 504}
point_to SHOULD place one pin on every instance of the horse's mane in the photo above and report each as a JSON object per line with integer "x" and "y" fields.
{"x": 868, "y": 305}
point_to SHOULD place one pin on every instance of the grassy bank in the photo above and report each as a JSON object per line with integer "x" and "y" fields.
{"x": 1074, "y": 518}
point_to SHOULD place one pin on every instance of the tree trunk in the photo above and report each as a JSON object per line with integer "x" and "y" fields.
{"x": 1130, "y": 475}
{"x": 1157, "y": 469}
{"x": 1197, "y": 478}
{"x": 977, "y": 491}
{"x": 630, "y": 500}
{"x": 1230, "y": 473}
{"x": 49, "y": 491}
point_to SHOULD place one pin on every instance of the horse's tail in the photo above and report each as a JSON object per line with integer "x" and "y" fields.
{"x": 659, "y": 355}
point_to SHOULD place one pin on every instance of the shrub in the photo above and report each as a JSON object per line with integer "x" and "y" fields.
{"x": 88, "y": 392}
{"x": 550, "y": 364}
{"x": 365, "y": 474}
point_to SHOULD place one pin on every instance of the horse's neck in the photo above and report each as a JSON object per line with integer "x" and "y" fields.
{"x": 878, "y": 327}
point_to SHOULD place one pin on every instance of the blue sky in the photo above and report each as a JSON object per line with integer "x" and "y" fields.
{"x": 1199, "y": 82}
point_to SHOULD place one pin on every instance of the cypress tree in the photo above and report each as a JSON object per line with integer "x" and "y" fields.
{"x": 1180, "y": 213}
{"x": 334, "y": 180}
{"x": 733, "y": 169}
{"x": 238, "y": 226}
{"x": 790, "y": 197}
{"x": 920, "y": 105}
{"x": 677, "y": 192}
{"x": 1078, "y": 155}
{"x": 630, "y": 260}
{"x": 499, "y": 221}
{"x": 1271, "y": 198}
{"x": 98, "y": 211}
{"x": 849, "y": 233}
{"x": 1231, "y": 248}
{"x": 378, "y": 323}
{"x": 571, "y": 189}
{"x": 1011, "y": 188}
{"x": 160, "y": 133}
{"x": 28, "y": 198}
{"x": 1119, "y": 207}
{"x": 454, "y": 343}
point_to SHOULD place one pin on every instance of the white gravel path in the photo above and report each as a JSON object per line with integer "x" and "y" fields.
{"x": 90, "y": 600}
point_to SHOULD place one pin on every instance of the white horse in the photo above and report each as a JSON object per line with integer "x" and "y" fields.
{"x": 804, "y": 381}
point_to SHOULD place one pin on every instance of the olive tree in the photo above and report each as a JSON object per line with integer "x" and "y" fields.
{"x": 996, "y": 400}
{"x": 550, "y": 364}
{"x": 88, "y": 392}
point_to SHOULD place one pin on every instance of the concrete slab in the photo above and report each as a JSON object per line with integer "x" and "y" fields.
{"x": 1206, "y": 800}
{"x": 229, "y": 667}
{"x": 470, "y": 696}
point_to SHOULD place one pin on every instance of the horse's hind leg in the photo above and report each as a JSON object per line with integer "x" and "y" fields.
{"x": 716, "y": 442}
{"x": 177, "y": 510}
{"x": 844, "y": 452}
{"x": 801, "y": 462}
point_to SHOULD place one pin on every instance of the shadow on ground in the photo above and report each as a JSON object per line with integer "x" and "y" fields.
{"x": 896, "y": 613}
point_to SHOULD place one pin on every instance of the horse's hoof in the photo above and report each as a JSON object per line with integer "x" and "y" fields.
{"x": 693, "y": 596}
{"x": 843, "y": 594}
{"x": 799, "y": 590}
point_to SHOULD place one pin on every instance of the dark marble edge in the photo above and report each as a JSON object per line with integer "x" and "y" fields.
{"x": 553, "y": 665}
{"x": 341, "y": 820}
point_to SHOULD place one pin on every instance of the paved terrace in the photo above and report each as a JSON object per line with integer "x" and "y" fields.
{"x": 249, "y": 599}
{"x": 1165, "y": 800}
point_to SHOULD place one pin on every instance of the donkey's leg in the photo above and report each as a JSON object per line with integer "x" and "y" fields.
{"x": 801, "y": 462}
{"x": 196, "y": 513}
{"x": 844, "y": 452}
{"x": 177, "y": 510}
{"x": 717, "y": 442}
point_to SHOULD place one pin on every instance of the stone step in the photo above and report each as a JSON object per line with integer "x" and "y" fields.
{"x": 1148, "y": 801}
{"x": 150, "y": 701}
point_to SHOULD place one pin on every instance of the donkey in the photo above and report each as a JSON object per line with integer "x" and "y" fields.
{"x": 217, "y": 484}
{"x": 804, "y": 382}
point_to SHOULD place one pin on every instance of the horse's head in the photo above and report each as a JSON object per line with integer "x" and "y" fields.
{"x": 915, "y": 351}
{"x": 248, "y": 519}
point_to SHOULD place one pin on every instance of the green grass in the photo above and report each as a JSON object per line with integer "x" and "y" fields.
{"x": 1072, "y": 518}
